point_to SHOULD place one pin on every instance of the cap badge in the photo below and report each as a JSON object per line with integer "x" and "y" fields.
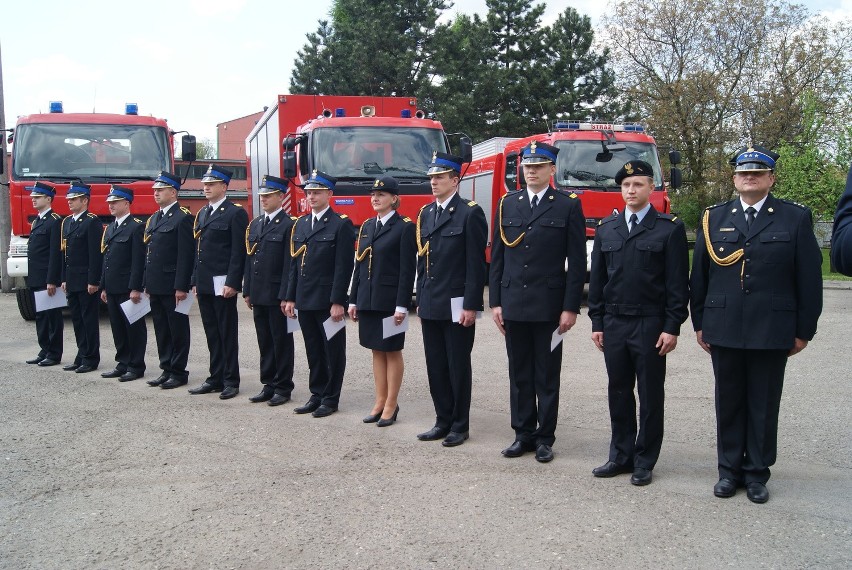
{"x": 628, "y": 168}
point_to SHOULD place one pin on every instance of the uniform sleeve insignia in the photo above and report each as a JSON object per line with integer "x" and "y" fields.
{"x": 184, "y": 210}
{"x": 342, "y": 216}
{"x": 471, "y": 203}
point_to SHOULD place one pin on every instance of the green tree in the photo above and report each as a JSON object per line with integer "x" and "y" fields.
{"x": 205, "y": 149}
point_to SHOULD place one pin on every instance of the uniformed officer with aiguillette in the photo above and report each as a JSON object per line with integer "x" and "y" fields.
{"x": 638, "y": 298}
{"x": 756, "y": 296}
{"x": 169, "y": 257}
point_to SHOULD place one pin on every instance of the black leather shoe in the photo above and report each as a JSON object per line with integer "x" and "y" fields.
{"x": 725, "y": 488}
{"x": 70, "y": 367}
{"x": 611, "y": 469}
{"x": 159, "y": 380}
{"x": 309, "y": 407}
{"x": 264, "y": 396}
{"x": 128, "y": 376}
{"x": 228, "y": 393}
{"x": 48, "y": 362}
{"x": 389, "y": 421}
{"x": 277, "y": 400}
{"x": 205, "y": 388}
{"x": 173, "y": 383}
{"x": 543, "y": 453}
{"x": 641, "y": 476}
{"x": 517, "y": 449}
{"x": 371, "y": 419}
{"x": 83, "y": 368}
{"x": 433, "y": 434}
{"x": 114, "y": 373}
{"x": 323, "y": 411}
{"x": 35, "y": 360}
{"x": 454, "y": 438}
{"x": 757, "y": 492}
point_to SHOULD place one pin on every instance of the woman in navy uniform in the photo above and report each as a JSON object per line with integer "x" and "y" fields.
{"x": 386, "y": 260}
{"x": 756, "y": 296}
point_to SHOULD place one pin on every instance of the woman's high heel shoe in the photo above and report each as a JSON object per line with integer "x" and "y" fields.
{"x": 371, "y": 419}
{"x": 384, "y": 423}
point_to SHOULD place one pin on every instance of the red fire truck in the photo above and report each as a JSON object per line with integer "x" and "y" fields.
{"x": 353, "y": 138}
{"x": 98, "y": 149}
{"x": 590, "y": 154}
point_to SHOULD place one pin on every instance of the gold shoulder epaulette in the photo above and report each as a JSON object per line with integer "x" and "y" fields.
{"x": 257, "y": 218}
{"x": 715, "y": 205}
{"x": 471, "y": 203}
{"x": 238, "y": 205}
{"x": 572, "y": 195}
{"x": 185, "y": 210}
{"x": 423, "y": 207}
{"x": 55, "y": 216}
{"x": 294, "y": 218}
{"x": 137, "y": 220}
{"x": 91, "y": 215}
{"x": 343, "y": 216}
{"x": 406, "y": 219}
{"x": 793, "y": 203}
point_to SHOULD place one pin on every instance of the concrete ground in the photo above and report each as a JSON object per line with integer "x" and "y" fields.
{"x": 101, "y": 474}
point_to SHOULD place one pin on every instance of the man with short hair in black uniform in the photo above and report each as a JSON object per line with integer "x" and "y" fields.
{"x": 265, "y": 288}
{"x": 170, "y": 253}
{"x": 123, "y": 268}
{"x": 536, "y": 232}
{"x": 220, "y": 231}
{"x": 44, "y": 263}
{"x": 756, "y": 297}
{"x": 841, "y": 235}
{"x": 638, "y": 299}
{"x": 81, "y": 276}
{"x": 322, "y": 251}
{"x": 451, "y": 237}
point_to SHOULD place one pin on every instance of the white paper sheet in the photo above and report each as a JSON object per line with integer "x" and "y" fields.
{"x": 456, "y": 308}
{"x": 185, "y": 305}
{"x": 332, "y": 328}
{"x": 293, "y": 324}
{"x": 390, "y": 328}
{"x": 135, "y": 311}
{"x": 219, "y": 285}
{"x": 43, "y": 301}
{"x": 555, "y": 339}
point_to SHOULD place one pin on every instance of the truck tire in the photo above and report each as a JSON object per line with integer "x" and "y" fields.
{"x": 26, "y": 303}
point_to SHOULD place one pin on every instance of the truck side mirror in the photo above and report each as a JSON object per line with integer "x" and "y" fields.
{"x": 465, "y": 149}
{"x": 188, "y": 150}
{"x": 674, "y": 157}
{"x": 289, "y": 166}
{"x": 676, "y": 178}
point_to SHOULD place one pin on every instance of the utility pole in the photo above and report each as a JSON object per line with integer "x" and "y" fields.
{"x": 5, "y": 216}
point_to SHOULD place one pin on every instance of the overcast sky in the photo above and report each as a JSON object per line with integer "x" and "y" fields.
{"x": 194, "y": 62}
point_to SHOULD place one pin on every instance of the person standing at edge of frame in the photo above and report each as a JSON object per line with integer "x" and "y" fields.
{"x": 638, "y": 299}
{"x": 756, "y": 297}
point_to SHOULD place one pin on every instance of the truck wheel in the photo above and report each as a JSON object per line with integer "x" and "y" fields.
{"x": 26, "y": 303}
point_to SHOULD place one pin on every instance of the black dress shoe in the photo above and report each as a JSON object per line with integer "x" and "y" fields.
{"x": 323, "y": 411}
{"x": 433, "y": 434}
{"x": 48, "y": 362}
{"x": 83, "y": 368}
{"x": 371, "y": 419}
{"x": 725, "y": 488}
{"x": 264, "y": 396}
{"x": 454, "y": 438}
{"x": 228, "y": 393}
{"x": 70, "y": 367}
{"x": 543, "y": 453}
{"x": 611, "y": 469}
{"x": 128, "y": 376}
{"x": 35, "y": 360}
{"x": 278, "y": 399}
{"x": 114, "y": 373}
{"x": 757, "y": 492}
{"x": 641, "y": 476}
{"x": 205, "y": 388}
{"x": 386, "y": 422}
{"x": 309, "y": 407}
{"x": 517, "y": 449}
{"x": 173, "y": 383}
{"x": 159, "y": 380}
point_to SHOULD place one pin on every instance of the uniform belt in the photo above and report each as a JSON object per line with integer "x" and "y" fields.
{"x": 635, "y": 310}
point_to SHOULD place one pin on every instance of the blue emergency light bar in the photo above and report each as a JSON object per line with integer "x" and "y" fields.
{"x": 131, "y": 109}
{"x": 340, "y": 112}
{"x": 588, "y": 126}
{"x": 406, "y": 113}
{"x": 56, "y": 106}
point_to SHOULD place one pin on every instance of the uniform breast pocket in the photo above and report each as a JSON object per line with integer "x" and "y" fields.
{"x": 219, "y": 226}
{"x": 775, "y": 247}
{"x": 275, "y": 238}
{"x": 122, "y": 239}
{"x": 551, "y": 223}
{"x": 611, "y": 250}
{"x": 452, "y": 232}
{"x": 324, "y": 241}
{"x": 648, "y": 253}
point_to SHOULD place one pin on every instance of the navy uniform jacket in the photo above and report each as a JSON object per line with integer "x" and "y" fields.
{"x": 454, "y": 263}
{"x": 170, "y": 252}
{"x": 124, "y": 257}
{"x": 529, "y": 281}
{"x": 322, "y": 260}
{"x": 44, "y": 258}
{"x": 384, "y": 274}
{"x": 83, "y": 258}
{"x": 268, "y": 264}
{"x": 773, "y": 294}
{"x": 221, "y": 250}
{"x": 644, "y": 273}
{"x": 841, "y": 237}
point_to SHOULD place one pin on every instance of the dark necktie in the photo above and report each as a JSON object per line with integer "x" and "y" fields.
{"x": 159, "y": 217}
{"x": 115, "y": 229}
{"x": 313, "y": 222}
{"x": 209, "y": 213}
{"x": 750, "y": 212}
{"x": 634, "y": 221}
{"x": 534, "y": 203}
{"x": 438, "y": 213}
{"x": 378, "y": 226}
{"x": 265, "y": 223}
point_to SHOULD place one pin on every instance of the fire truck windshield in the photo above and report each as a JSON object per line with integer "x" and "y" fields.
{"x": 96, "y": 152}
{"x": 584, "y": 164}
{"x": 355, "y": 153}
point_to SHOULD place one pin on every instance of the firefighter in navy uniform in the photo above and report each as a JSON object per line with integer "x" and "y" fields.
{"x": 536, "y": 232}
{"x": 322, "y": 251}
{"x": 265, "y": 288}
{"x": 638, "y": 299}
{"x": 220, "y": 231}
{"x": 44, "y": 260}
{"x": 451, "y": 236}
{"x": 81, "y": 276}
{"x": 123, "y": 249}
{"x": 169, "y": 257}
{"x": 756, "y": 296}
{"x": 841, "y": 236}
